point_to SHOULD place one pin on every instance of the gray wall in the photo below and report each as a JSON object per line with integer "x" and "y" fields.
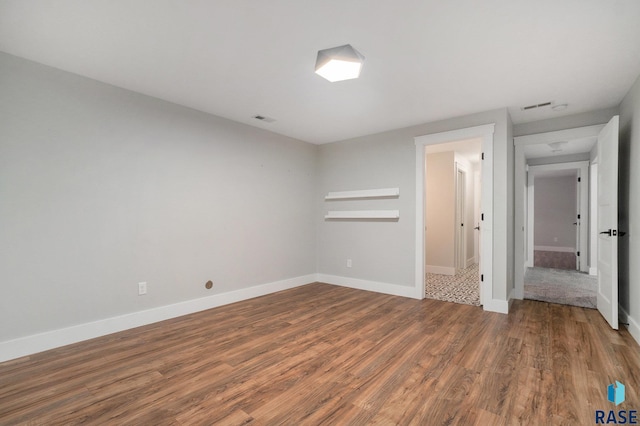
{"x": 385, "y": 251}
{"x": 380, "y": 250}
{"x": 101, "y": 188}
{"x": 555, "y": 207}
{"x": 629, "y": 205}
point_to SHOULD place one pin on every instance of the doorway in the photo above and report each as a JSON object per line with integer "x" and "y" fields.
{"x": 598, "y": 146}
{"x": 451, "y": 260}
{"x": 485, "y": 235}
{"x": 556, "y": 223}
{"x": 558, "y": 228}
{"x": 558, "y": 214}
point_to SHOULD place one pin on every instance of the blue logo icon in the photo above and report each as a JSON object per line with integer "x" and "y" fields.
{"x": 615, "y": 393}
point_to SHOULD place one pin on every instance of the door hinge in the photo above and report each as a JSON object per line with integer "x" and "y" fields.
{"x": 579, "y": 179}
{"x": 481, "y": 277}
{"x": 481, "y": 216}
{"x": 482, "y": 156}
{"x": 578, "y": 254}
{"x": 578, "y": 216}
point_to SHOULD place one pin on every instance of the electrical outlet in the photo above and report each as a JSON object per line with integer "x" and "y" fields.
{"x": 349, "y": 263}
{"x": 142, "y": 288}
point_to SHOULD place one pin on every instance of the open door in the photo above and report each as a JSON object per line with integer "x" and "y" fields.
{"x": 460, "y": 246}
{"x": 608, "y": 222}
{"x": 578, "y": 223}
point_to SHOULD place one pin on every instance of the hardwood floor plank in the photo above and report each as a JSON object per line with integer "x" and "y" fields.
{"x": 321, "y": 354}
{"x": 407, "y": 402}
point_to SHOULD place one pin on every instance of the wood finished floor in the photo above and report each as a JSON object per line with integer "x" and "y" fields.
{"x": 322, "y": 354}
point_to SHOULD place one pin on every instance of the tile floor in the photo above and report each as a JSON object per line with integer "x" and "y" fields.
{"x": 463, "y": 287}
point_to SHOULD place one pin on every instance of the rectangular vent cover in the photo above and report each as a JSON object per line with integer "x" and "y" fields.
{"x": 534, "y": 106}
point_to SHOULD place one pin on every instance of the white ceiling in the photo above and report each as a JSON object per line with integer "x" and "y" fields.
{"x": 425, "y": 59}
{"x": 568, "y": 147}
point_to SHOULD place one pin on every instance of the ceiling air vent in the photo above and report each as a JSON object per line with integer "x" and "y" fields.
{"x": 534, "y": 106}
{"x": 264, "y": 118}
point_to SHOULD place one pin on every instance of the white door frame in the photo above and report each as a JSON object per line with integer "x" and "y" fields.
{"x": 593, "y": 218}
{"x": 460, "y": 231}
{"x": 520, "y": 143}
{"x": 485, "y": 133}
{"x": 582, "y": 168}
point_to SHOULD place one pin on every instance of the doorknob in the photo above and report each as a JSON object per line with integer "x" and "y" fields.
{"x": 477, "y": 228}
{"x": 610, "y": 232}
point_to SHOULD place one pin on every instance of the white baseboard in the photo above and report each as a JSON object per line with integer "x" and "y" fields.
{"x": 28, "y": 345}
{"x": 553, "y": 248}
{"x": 633, "y": 327}
{"x": 442, "y": 270}
{"x": 496, "y": 305}
{"x": 378, "y": 287}
{"x": 593, "y": 270}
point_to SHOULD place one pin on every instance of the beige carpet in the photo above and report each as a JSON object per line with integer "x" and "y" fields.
{"x": 561, "y": 286}
{"x": 554, "y": 259}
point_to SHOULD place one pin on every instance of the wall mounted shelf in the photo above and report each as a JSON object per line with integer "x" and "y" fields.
{"x": 366, "y": 193}
{"x": 363, "y": 214}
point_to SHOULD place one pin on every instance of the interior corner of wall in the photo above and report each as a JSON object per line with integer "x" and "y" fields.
{"x": 633, "y": 325}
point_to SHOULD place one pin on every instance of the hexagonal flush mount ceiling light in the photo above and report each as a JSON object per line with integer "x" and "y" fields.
{"x": 339, "y": 63}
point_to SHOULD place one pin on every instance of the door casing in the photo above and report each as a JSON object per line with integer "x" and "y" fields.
{"x": 521, "y": 208}
{"x": 485, "y": 133}
{"x": 582, "y": 168}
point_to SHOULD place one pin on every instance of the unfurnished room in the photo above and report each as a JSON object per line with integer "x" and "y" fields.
{"x": 348, "y": 212}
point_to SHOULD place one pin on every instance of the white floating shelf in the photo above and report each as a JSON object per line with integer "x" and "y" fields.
{"x": 366, "y": 193}
{"x": 363, "y": 214}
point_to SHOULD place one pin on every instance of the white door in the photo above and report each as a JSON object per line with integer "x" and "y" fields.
{"x": 578, "y": 223}
{"x": 608, "y": 222}
{"x": 460, "y": 246}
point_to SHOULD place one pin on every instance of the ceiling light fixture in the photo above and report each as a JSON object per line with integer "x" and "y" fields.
{"x": 339, "y": 63}
{"x": 557, "y": 146}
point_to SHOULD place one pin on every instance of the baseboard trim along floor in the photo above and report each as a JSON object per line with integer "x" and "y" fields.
{"x": 28, "y": 345}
